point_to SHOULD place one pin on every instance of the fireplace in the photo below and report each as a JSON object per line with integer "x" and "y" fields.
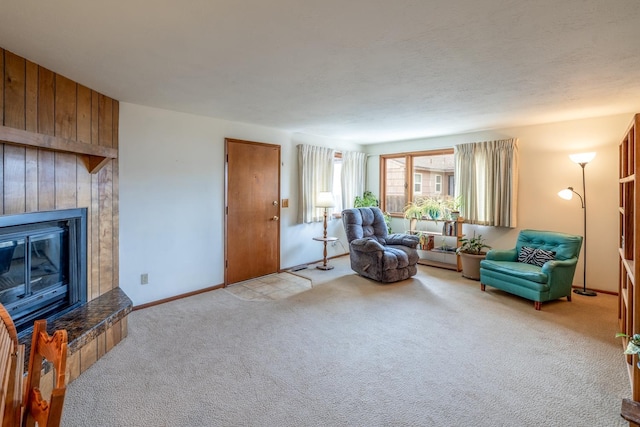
{"x": 43, "y": 258}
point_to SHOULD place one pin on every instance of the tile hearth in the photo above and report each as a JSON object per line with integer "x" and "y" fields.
{"x": 92, "y": 329}
{"x": 269, "y": 288}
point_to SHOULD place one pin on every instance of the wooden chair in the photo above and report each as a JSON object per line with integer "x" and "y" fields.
{"x": 11, "y": 371}
{"x": 53, "y": 348}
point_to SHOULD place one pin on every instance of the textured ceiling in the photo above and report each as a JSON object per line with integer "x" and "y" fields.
{"x": 360, "y": 70}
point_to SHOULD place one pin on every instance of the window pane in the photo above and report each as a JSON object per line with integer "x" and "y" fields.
{"x": 433, "y": 170}
{"x": 395, "y": 198}
{"x": 430, "y": 176}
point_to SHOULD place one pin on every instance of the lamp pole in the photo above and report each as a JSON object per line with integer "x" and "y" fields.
{"x": 584, "y": 291}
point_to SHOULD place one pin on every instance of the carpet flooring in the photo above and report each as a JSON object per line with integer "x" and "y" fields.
{"x": 429, "y": 351}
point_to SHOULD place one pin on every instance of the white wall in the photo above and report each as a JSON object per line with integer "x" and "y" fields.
{"x": 172, "y": 194}
{"x": 545, "y": 169}
{"x": 172, "y": 200}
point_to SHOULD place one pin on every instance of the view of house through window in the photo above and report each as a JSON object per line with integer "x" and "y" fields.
{"x": 395, "y": 183}
{"x": 429, "y": 174}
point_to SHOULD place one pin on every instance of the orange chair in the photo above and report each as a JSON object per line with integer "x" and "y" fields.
{"x": 52, "y": 348}
{"x": 11, "y": 371}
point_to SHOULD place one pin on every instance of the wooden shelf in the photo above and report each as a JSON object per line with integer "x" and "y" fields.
{"x": 629, "y": 250}
{"x": 431, "y": 263}
{"x": 96, "y": 156}
{"x": 454, "y": 265}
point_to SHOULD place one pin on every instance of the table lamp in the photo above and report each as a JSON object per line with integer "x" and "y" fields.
{"x": 324, "y": 200}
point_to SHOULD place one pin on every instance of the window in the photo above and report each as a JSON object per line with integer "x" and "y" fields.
{"x": 487, "y": 174}
{"x": 424, "y": 172}
{"x": 451, "y": 182}
{"x": 417, "y": 183}
{"x": 395, "y": 185}
{"x": 323, "y": 169}
{"x": 337, "y": 183}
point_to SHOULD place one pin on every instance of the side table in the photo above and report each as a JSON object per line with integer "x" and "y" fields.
{"x": 324, "y": 265}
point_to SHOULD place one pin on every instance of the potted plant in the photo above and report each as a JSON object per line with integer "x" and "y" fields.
{"x": 368, "y": 199}
{"x": 452, "y": 206}
{"x": 471, "y": 253}
{"x": 633, "y": 345}
{"x": 413, "y": 212}
{"x": 433, "y": 208}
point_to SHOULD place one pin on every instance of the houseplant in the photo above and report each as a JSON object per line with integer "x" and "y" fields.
{"x": 414, "y": 211}
{"x": 471, "y": 253}
{"x": 425, "y": 207}
{"x": 633, "y": 346}
{"x": 433, "y": 207}
{"x": 368, "y": 199}
{"x": 452, "y": 207}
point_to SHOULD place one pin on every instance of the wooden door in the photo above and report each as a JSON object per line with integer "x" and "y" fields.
{"x": 252, "y": 223}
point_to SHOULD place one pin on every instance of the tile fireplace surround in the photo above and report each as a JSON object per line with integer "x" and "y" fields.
{"x": 93, "y": 329}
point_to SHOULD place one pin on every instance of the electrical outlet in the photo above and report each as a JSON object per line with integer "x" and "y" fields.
{"x": 144, "y": 279}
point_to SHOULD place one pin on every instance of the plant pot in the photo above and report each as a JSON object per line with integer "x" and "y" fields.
{"x": 455, "y": 215}
{"x": 471, "y": 265}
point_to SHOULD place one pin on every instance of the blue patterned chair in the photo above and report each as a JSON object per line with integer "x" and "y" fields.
{"x": 373, "y": 252}
{"x": 539, "y": 268}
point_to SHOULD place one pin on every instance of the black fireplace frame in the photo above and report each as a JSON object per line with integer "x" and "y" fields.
{"x": 76, "y": 219}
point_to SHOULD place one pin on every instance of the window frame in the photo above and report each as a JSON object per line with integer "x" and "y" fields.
{"x": 409, "y": 179}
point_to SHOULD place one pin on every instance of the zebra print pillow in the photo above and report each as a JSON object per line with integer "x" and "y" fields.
{"x": 535, "y": 256}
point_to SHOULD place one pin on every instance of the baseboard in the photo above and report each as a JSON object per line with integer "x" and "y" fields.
{"x": 176, "y": 297}
{"x": 597, "y": 290}
{"x": 282, "y": 270}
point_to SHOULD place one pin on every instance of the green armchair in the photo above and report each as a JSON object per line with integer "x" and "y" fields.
{"x": 542, "y": 271}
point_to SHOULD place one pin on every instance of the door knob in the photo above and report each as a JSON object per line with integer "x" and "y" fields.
{"x": 275, "y": 203}
{"x": 275, "y": 218}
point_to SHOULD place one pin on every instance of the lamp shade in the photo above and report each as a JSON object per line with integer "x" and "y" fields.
{"x": 582, "y": 157}
{"x": 566, "y": 194}
{"x": 324, "y": 199}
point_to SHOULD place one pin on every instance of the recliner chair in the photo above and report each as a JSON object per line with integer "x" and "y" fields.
{"x": 373, "y": 252}
{"x": 530, "y": 273}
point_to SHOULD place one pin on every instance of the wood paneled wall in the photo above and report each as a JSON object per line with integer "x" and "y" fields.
{"x": 37, "y": 100}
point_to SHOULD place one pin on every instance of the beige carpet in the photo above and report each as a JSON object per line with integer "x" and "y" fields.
{"x": 430, "y": 351}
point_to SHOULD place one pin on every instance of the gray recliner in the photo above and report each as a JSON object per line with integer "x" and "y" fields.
{"x": 373, "y": 252}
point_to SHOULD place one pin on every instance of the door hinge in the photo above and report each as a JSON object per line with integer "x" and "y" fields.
{"x": 226, "y": 263}
{"x": 226, "y": 210}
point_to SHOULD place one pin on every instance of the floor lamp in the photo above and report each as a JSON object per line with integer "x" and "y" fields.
{"x": 582, "y": 159}
{"x": 324, "y": 200}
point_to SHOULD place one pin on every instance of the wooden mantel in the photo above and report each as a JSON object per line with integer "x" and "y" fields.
{"x": 40, "y": 109}
{"x": 96, "y": 156}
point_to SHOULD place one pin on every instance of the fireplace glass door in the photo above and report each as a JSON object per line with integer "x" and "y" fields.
{"x": 33, "y": 272}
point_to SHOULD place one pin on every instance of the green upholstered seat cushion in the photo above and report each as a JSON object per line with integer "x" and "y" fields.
{"x": 517, "y": 269}
{"x": 565, "y": 246}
